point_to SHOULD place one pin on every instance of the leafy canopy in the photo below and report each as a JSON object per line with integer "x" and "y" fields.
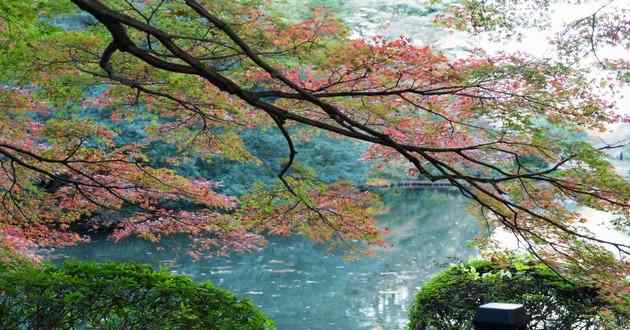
{"x": 194, "y": 75}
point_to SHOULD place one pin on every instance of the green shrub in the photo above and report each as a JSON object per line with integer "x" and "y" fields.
{"x": 449, "y": 300}
{"x": 79, "y": 295}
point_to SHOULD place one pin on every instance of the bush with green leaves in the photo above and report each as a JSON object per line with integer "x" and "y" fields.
{"x": 450, "y": 299}
{"x": 80, "y": 295}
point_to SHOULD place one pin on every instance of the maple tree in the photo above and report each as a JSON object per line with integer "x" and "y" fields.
{"x": 499, "y": 128}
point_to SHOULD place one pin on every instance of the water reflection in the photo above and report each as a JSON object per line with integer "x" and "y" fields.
{"x": 303, "y": 286}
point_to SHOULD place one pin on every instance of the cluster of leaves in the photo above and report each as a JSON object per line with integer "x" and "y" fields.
{"x": 450, "y": 299}
{"x": 75, "y": 167}
{"x": 117, "y": 296}
{"x": 73, "y": 149}
{"x": 318, "y": 211}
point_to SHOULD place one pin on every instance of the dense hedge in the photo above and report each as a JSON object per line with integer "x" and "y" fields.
{"x": 449, "y": 300}
{"x": 117, "y": 296}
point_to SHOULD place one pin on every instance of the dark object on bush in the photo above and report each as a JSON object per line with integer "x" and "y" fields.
{"x": 117, "y": 296}
{"x": 449, "y": 300}
{"x": 500, "y": 316}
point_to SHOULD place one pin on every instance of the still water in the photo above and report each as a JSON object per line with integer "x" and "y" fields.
{"x": 302, "y": 285}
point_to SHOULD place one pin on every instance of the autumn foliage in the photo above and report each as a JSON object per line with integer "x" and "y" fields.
{"x": 500, "y": 128}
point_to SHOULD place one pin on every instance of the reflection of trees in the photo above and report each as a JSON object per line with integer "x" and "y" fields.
{"x": 426, "y": 228}
{"x": 301, "y": 286}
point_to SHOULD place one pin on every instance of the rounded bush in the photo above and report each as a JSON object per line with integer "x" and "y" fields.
{"x": 449, "y": 300}
{"x": 80, "y": 295}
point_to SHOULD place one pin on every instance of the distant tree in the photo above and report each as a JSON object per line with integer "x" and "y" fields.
{"x": 587, "y": 30}
{"x": 199, "y": 72}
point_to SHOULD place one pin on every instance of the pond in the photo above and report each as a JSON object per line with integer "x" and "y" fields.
{"x": 302, "y": 285}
